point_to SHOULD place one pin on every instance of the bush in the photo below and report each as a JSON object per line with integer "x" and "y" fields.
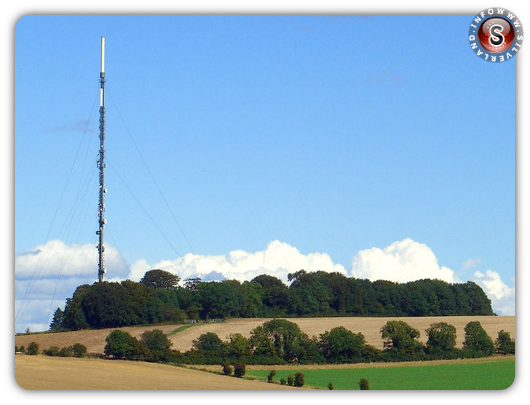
{"x": 271, "y": 375}
{"x": 282, "y": 381}
{"x": 227, "y": 368}
{"x": 79, "y": 350}
{"x": 239, "y": 370}
{"x": 33, "y": 349}
{"x": 290, "y": 380}
{"x": 363, "y": 384}
{"x": 299, "y": 379}
{"x": 51, "y": 351}
{"x": 67, "y": 351}
{"x": 330, "y": 385}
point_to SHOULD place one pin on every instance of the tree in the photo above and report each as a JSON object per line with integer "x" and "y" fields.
{"x": 158, "y": 344}
{"x": 271, "y": 375}
{"x": 477, "y": 340}
{"x": 330, "y": 385}
{"x": 441, "y": 337}
{"x": 401, "y": 337}
{"x": 209, "y": 343}
{"x": 57, "y": 322}
{"x": 341, "y": 345}
{"x": 504, "y": 344}
{"x": 121, "y": 345}
{"x": 290, "y": 380}
{"x": 237, "y": 345}
{"x": 160, "y": 279}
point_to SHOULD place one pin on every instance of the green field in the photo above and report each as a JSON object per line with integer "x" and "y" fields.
{"x": 473, "y": 376}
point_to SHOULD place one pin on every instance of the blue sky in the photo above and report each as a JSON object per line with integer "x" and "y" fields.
{"x": 334, "y": 135}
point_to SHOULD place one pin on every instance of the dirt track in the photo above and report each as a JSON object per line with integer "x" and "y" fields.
{"x": 56, "y": 373}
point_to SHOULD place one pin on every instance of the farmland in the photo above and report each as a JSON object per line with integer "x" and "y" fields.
{"x": 94, "y": 339}
{"x": 478, "y": 374}
{"x": 55, "y": 373}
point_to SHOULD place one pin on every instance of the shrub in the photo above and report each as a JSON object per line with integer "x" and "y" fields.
{"x": 363, "y": 384}
{"x": 227, "y": 368}
{"x": 282, "y": 381}
{"x": 299, "y": 379}
{"x": 239, "y": 370}
{"x": 330, "y": 385}
{"x": 290, "y": 380}
{"x": 79, "y": 350}
{"x": 51, "y": 351}
{"x": 271, "y": 375}
{"x": 67, "y": 351}
{"x": 33, "y": 349}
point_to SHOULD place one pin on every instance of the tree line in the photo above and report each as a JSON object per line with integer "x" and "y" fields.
{"x": 280, "y": 341}
{"x": 159, "y": 297}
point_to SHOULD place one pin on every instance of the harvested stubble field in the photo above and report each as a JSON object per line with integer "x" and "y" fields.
{"x": 60, "y": 373}
{"x": 94, "y": 340}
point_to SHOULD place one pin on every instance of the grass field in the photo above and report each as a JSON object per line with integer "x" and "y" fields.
{"x": 496, "y": 374}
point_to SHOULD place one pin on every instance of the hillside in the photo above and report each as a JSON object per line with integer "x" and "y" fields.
{"x": 56, "y": 373}
{"x": 94, "y": 340}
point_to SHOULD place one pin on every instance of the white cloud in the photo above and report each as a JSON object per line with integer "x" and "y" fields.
{"x": 502, "y": 297}
{"x": 56, "y": 259}
{"x": 400, "y": 262}
{"x": 469, "y": 263}
{"x": 277, "y": 259}
{"x": 50, "y": 273}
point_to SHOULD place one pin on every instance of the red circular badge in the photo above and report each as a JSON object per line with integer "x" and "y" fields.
{"x": 496, "y": 35}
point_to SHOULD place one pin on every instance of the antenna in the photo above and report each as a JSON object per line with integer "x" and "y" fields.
{"x": 101, "y": 166}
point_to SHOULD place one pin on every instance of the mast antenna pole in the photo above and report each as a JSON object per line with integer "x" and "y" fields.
{"x": 101, "y": 166}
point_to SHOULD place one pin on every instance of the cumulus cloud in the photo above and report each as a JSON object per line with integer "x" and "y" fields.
{"x": 277, "y": 259}
{"x": 400, "y": 262}
{"x": 502, "y": 297}
{"x": 50, "y": 273}
{"x": 57, "y": 259}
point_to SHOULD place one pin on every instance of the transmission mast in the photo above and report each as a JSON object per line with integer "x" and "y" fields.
{"x": 101, "y": 166}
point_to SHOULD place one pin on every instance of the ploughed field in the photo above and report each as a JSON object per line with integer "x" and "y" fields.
{"x": 370, "y": 327}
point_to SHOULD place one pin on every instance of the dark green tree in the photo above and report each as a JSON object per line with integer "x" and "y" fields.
{"x": 160, "y": 279}
{"x": 33, "y": 349}
{"x": 401, "y": 337}
{"x": 270, "y": 376}
{"x": 476, "y": 339}
{"x": 209, "y": 343}
{"x": 504, "y": 344}
{"x": 237, "y": 346}
{"x": 441, "y": 338}
{"x": 227, "y": 368}
{"x": 57, "y": 321}
{"x": 157, "y": 343}
{"x": 340, "y": 345}
{"x": 121, "y": 345}
{"x": 79, "y": 350}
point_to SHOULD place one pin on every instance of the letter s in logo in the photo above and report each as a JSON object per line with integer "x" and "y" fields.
{"x": 496, "y": 38}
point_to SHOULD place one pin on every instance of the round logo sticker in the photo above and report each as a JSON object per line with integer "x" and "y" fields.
{"x": 495, "y": 35}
